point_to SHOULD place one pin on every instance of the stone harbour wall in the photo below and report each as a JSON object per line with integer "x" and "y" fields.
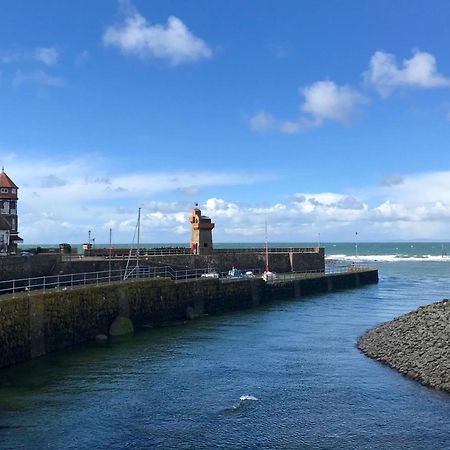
{"x": 416, "y": 344}
{"x": 33, "y": 324}
{"x": 223, "y": 261}
{"x": 15, "y": 267}
{"x": 53, "y": 264}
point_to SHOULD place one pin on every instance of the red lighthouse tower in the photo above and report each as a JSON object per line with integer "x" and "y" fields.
{"x": 9, "y": 236}
{"x": 201, "y": 239}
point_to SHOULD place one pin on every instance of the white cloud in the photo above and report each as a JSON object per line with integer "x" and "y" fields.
{"x": 391, "y": 180}
{"x": 390, "y": 212}
{"x": 262, "y": 122}
{"x": 324, "y": 100}
{"x": 51, "y": 181}
{"x": 84, "y": 195}
{"x": 290, "y": 127}
{"x": 48, "y": 56}
{"x": 173, "y": 42}
{"x": 423, "y": 188}
{"x": 45, "y": 55}
{"x": 189, "y": 190}
{"x": 219, "y": 208}
{"x": 419, "y": 71}
{"x": 81, "y": 196}
{"x": 39, "y": 78}
{"x": 8, "y": 57}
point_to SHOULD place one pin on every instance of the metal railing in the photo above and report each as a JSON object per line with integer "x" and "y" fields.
{"x": 72, "y": 280}
{"x": 167, "y": 251}
{"x": 68, "y": 281}
{"x": 270, "y": 250}
{"x": 122, "y": 253}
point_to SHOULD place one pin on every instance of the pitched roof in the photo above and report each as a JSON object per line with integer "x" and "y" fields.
{"x": 5, "y": 181}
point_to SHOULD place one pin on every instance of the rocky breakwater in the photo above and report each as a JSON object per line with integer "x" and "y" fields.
{"x": 416, "y": 344}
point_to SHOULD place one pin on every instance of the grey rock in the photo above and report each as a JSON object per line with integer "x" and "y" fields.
{"x": 416, "y": 344}
{"x": 101, "y": 338}
{"x": 121, "y": 326}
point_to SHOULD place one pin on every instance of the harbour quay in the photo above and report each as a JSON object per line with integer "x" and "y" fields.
{"x": 35, "y": 323}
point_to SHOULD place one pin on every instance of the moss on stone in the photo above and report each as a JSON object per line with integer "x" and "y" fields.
{"x": 121, "y": 326}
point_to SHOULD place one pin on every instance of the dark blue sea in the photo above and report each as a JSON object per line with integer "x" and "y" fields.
{"x": 284, "y": 376}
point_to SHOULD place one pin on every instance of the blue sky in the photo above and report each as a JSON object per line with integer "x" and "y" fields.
{"x": 319, "y": 117}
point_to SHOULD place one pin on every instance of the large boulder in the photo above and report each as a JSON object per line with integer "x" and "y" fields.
{"x": 121, "y": 326}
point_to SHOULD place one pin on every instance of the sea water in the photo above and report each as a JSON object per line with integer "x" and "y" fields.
{"x": 285, "y": 375}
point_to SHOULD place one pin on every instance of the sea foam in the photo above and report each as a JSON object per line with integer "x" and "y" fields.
{"x": 387, "y": 258}
{"x": 247, "y": 397}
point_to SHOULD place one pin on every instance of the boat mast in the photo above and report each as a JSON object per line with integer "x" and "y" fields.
{"x": 138, "y": 238}
{"x": 267, "y": 247}
{"x": 136, "y": 231}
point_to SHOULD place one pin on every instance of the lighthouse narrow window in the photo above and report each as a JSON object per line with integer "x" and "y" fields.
{"x": 4, "y": 190}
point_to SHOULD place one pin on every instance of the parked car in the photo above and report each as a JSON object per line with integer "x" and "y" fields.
{"x": 210, "y": 275}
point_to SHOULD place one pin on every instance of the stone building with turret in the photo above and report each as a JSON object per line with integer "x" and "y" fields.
{"x": 9, "y": 236}
{"x": 201, "y": 238}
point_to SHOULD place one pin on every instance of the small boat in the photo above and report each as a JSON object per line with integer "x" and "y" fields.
{"x": 210, "y": 275}
{"x": 234, "y": 273}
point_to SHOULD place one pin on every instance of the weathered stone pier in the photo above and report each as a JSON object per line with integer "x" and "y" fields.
{"x": 35, "y": 323}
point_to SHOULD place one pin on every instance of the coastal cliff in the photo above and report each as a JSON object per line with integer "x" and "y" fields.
{"x": 416, "y": 344}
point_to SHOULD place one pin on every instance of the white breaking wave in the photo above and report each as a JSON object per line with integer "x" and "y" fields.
{"x": 247, "y": 397}
{"x": 388, "y": 258}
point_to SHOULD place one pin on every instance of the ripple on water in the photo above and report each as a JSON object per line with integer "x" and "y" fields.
{"x": 198, "y": 385}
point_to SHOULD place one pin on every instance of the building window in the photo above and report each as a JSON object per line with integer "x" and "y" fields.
{"x": 13, "y": 190}
{"x": 4, "y": 190}
{"x": 12, "y": 205}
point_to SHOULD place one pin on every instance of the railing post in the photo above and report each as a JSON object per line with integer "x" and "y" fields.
{"x": 97, "y": 278}
{"x": 84, "y": 278}
{"x": 29, "y": 286}
{"x": 43, "y": 283}
{"x": 57, "y": 282}
{"x": 71, "y": 280}
{"x": 13, "y": 287}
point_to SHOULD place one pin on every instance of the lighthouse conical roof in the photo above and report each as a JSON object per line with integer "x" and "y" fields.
{"x": 5, "y": 181}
